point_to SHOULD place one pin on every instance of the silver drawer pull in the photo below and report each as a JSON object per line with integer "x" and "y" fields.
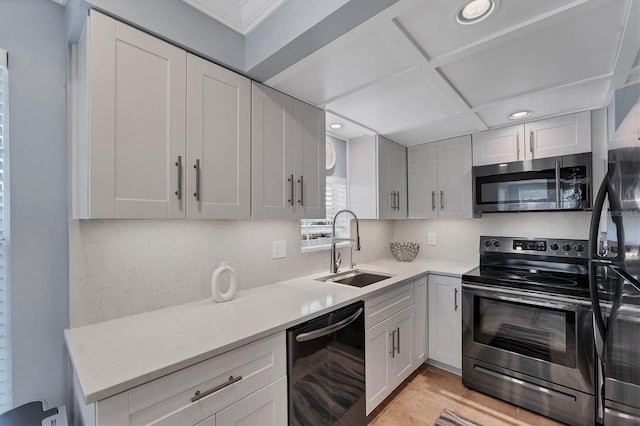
{"x": 199, "y": 395}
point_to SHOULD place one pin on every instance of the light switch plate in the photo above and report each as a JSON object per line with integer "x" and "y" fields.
{"x": 279, "y": 249}
{"x": 431, "y": 238}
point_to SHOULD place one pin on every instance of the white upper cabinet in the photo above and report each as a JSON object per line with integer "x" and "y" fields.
{"x": 440, "y": 182}
{"x": 377, "y": 178}
{"x": 131, "y": 98}
{"x": 159, "y": 135}
{"x": 568, "y": 134}
{"x": 218, "y": 163}
{"x": 498, "y": 146}
{"x": 288, "y": 156}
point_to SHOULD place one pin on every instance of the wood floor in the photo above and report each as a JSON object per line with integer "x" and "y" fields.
{"x": 428, "y": 391}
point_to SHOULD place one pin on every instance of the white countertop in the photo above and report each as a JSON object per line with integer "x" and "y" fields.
{"x": 113, "y": 356}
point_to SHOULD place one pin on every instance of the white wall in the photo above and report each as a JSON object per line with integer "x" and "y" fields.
{"x": 124, "y": 267}
{"x": 33, "y": 33}
{"x": 460, "y": 239}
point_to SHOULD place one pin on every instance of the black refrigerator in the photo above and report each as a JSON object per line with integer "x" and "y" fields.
{"x": 614, "y": 272}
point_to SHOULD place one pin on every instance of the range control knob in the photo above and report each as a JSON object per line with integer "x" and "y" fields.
{"x": 566, "y": 247}
{"x": 496, "y": 243}
{"x": 554, "y": 247}
{"x": 579, "y": 248}
{"x": 487, "y": 243}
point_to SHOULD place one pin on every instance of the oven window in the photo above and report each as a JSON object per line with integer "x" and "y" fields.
{"x": 542, "y": 333}
{"x": 517, "y": 188}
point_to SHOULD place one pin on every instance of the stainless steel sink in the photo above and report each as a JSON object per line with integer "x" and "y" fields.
{"x": 356, "y": 278}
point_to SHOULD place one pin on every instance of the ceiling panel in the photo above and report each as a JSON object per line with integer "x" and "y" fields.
{"x": 349, "y": 130}
{"x": 548, "y": 103}
{"x": 433, "y": 26}
{"x": 342, "y": 67}
{"x": 446, "y": 127}
{"x": 580, "y": 47}
{"x": 399, "y": 101}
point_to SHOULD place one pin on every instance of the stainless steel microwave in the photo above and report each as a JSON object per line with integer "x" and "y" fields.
{"x": 556, "y": 183}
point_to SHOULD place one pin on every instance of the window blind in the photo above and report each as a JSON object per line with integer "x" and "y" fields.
{"x": 316, "y": 233}
{"x": 5, "y": 311}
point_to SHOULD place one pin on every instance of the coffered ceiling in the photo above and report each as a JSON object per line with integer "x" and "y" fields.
{"x": 411, "y": 72}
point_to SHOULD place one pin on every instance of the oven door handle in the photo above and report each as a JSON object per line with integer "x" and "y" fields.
{"x": 303, "y": 337}
{"x": 549, "y": 301}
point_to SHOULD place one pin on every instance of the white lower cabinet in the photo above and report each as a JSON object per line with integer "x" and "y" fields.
{"x": 388, "y": 348}
{"x": 445, "y": 320}
{"x": 420, "y": 312}
{"x": 268, "y": 406}
{"x": 232, "y": 388}
{"x": 390, "y": 340}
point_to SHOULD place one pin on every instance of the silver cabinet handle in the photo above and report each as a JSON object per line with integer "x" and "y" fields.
{"x": 199, "y": 395}
{"x": 290, "y": 200}
{"x": 455, "y": 299}
{"x": 531, "y": 143}
{"x": 441, "y": 200}
{"x": 303, "y": 337}
{"x": 179, "y": 164}
{"x": 398, "y": 339}
{"x": 433, "y": 200}
{"x": 197, "y": 193}
{"x": 518, "y": 146}
{"x": 558, "y": 199}
{"x": 393, "y": 344}
{"x": 393, "y": 200}
{"x": 398, "y": 201}
{"x": 301, "y": 182}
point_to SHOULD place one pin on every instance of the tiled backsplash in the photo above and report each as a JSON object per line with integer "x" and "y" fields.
{"x": 124, "y": 267}
{"x": 460, "y": 239}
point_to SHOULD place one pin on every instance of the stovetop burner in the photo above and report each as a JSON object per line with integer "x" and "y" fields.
{"x": 545, "y": 279}
{"x": 548, "y": 266}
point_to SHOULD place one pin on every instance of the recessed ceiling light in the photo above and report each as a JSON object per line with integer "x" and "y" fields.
{"x": 335, "y": 126}
{"x": 519, "y": 114}
{"x": 475, "y": 11}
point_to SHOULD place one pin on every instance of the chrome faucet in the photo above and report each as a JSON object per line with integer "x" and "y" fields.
{"x": 335, "y": 262}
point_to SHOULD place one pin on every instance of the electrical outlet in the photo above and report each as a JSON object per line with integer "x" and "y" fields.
{"x": 279, "y": 249}
{"x": 431, "y": 238}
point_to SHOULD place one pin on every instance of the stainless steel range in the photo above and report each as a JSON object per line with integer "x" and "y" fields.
{"x": 528, "y": 327}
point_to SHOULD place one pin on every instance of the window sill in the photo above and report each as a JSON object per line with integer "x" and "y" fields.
{"x": 321, "y": 247}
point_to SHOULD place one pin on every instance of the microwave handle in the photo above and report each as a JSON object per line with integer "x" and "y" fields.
{"x": 558, "y": 200}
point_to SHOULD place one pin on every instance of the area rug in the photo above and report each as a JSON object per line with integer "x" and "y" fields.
{"x": 449, "y": 418}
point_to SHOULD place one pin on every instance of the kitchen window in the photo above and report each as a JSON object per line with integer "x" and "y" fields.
{"x": 316, "y": 233}
{"x": 5, "y": 312}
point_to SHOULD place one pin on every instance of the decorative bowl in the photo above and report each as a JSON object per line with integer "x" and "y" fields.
{"x": 404, "y": 252}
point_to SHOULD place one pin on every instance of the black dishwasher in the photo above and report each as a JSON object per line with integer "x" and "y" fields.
{"x": 326, "y": 371}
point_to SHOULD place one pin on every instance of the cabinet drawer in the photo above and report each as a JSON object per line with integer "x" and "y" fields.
{"x": 391, "y": 302}
{"x": 167, "y": 400}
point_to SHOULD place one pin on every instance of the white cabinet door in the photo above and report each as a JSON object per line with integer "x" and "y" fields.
{"x": 568, "y": 134}
{"x": 445, "y": 320}
{"x": 288, "y": 156}
{"x": 399, "y": 180}
{"x": 309, "y": 135}
{"x": 136, "y": 86}
{"x": 499, "y": 146}
{"x": 268, "y": 406}
{"x": 218, "y": 142}
{"x": 377, "y": 354}
{"x": 420, "y": 347}
{"x": 273, "y": 179}
{"x": 392, "y": 179}
{"x": 401, "y": 362}
{"x": 454, "y": 178}
{"x": 422, "y": 167}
